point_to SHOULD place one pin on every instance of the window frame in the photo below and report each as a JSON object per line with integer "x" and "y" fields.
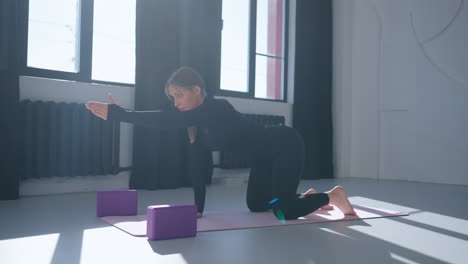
{"x": 250, "y": 94}
{"x": 84, "y": 74}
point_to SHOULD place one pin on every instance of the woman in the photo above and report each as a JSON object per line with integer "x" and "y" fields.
{"x": 278, "y": 152}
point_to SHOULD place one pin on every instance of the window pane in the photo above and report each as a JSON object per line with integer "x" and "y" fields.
{"x": 268, "y": 78}
{"x": 234, "y": 45}
{"x": 53, "y": 35}
{"x": 270, "y": 27}
{"x": 114, "y": 41}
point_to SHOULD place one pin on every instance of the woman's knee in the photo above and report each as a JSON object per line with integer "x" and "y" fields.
{"x": 256, "y": 206}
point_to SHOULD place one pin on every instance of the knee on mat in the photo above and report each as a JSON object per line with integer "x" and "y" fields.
{"x": 285, "y": 214}
{"x": 257, "y": 207}
{"x": 285, "y": 211}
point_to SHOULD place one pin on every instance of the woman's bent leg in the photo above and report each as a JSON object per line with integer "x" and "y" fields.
{"x": 288, "y": 159}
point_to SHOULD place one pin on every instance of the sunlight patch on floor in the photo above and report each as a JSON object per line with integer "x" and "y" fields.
{"x": 424, "y": 241}
{"x": 449, "y": 223}
{"x": 402, "y": 259}
{"x": 334, "y": 232}
{"x": 371, "y": 203}
{"x": 110, "y": 245}
{"x": 32, "y": 249}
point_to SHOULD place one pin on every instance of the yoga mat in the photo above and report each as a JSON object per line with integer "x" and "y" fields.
{"x": 227, "y": 220}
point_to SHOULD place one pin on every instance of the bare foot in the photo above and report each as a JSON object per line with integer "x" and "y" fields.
{"x": 338, "y": 198}
{"x": 325, "y": 207}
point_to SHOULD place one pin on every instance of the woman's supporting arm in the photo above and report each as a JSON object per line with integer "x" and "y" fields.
{"x": 199, "y": 169}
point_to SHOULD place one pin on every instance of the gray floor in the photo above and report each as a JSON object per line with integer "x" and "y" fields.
{"x": 64, "y": 229}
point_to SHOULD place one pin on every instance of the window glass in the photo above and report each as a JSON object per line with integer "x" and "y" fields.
{"x": 235, "y": 45}
{"x": 113, "y": 58}
{"x": 53, "y": 35}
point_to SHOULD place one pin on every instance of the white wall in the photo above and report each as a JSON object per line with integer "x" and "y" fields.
{"x": 400, "y": 89}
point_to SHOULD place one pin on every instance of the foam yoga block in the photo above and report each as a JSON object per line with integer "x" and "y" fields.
{"x": 171, "y": 221}
{"x": 117, "y": 203}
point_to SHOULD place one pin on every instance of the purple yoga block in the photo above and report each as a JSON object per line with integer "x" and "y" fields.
{"x": 117, "y": 203}
{"x": 171, "y": 221}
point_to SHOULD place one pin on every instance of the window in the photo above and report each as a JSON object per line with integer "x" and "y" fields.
{"x": 82, "y": 40}
{"x": 253, "y": 45}
{"x": 114, "y": 41}
{"x": 53, "y": 34}
{"x": 235, "y": 46}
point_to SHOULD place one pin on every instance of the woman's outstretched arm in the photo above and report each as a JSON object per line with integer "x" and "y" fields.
{"x": 159, "y": 119}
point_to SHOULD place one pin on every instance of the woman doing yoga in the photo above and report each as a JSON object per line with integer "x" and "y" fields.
{"x": 278, "y": 152}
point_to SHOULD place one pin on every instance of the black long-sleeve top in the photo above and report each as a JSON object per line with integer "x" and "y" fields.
{"x": 223, "y": 128}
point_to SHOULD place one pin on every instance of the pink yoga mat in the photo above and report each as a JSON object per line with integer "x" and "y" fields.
{"x": 226, "y": 220}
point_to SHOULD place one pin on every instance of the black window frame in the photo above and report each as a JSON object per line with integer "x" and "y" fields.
{"x": 250, "y": 94}
{"x": 84, "y": 74}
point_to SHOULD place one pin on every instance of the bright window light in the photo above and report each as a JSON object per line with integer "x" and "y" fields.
{"x": 235, "y": 45}
{"x": 53, "y": 35}
{"x": 114, "y": 41}
{"x": 269, "y": 50}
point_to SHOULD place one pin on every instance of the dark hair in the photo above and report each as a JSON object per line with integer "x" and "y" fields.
{"x": 185, "y": 77}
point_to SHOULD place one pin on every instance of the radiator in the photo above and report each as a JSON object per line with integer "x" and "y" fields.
{"x": 234, "y": 160}
{"x": 66, "y": 140}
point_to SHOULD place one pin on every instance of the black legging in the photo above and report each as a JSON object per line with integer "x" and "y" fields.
{"x": 276, "y": 172}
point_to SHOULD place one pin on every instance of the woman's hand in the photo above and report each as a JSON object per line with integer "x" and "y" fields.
{"x": 199, "y": 215}
{"x": 100, "y": 109}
